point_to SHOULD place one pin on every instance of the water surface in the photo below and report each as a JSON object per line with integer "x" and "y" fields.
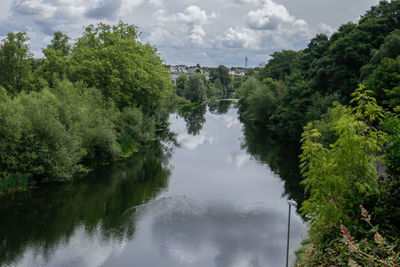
{"x": 207, "y": 202}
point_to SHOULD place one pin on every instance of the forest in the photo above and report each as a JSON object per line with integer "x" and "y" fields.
{"x": 340, "y": 98}
{"x": 84, "y": 104}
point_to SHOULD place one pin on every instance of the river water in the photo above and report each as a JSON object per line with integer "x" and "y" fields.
{"x": 206, "y": 202}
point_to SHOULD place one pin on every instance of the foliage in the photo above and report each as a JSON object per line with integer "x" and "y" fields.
{"x": 34, "y": 141}
{"x": 181, "y": 84}
{"x": 195, "y": 91}
{"x": 257, "y": 101}
{"x": 13, "y": 182}
{"x": 392, "y": 146}
{"x": 342, "y": 176}
{"x": 111, "y": 59}
{"x": 385, "y": 82}
{"x": 280, "y": 65}
{"x": 52, "y": 129}
{"x": 220, "y": 73}
{"x": 378, "y": 252}
{"x": 15, "y": 68}
{"x": 329, "y": 69}
{"x": 134, "y": 128}
{"x": 56, "y": 63}
{"x": 371, "y": 249}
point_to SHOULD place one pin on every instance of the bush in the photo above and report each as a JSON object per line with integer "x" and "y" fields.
{"x": 257, "y": 101}
{"x": 392, "y": 152}
{"x": 342, "y": 176}
{"x": 13, "y": 181}
{"x": 134, "y": 128}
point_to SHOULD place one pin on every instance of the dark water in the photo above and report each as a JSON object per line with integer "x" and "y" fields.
{"x": 205, "y": 203}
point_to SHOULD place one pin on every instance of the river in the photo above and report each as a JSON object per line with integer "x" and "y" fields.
{"x": 200, "y": 199}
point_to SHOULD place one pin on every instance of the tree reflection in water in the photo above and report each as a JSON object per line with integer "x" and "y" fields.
{"x": 43, "y": 219}
{"x": 282, "y": 156}
{"x": 195, "y": 119}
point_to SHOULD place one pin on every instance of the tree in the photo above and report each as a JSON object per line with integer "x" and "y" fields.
{"x": 195, "y": 90}
{"x": 389, "y": 49}
{"x": 220, "y": 73}
{"x": 15, "y": 68}
{"x": 280, "y": 64}
{"x": 342, "y": 176}
{"x": 385, "y": 82}
{"x": 57, "y": 61}
{"x": 112, "y": 59}
{"x": 181, "y": 84}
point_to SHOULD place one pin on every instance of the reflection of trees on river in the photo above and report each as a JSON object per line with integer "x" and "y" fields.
{"x": 219, "y": 107}
{"x": 195, "y": 119}
{"x": 281, "y": 155}
{"x": 46, "y": 217}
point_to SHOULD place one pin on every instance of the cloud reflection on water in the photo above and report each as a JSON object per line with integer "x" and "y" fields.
{"x": 186, "y": 233}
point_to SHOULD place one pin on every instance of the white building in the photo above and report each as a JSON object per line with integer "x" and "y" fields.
{"x": 237, "y": 72}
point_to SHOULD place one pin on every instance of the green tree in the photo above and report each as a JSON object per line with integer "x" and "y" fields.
{"x": 341, "y": 177}
{"x": 220, "y": 73}
{"x": 195, "y": 90}
{"x": 385, "y": 82}
{"x": 57, "y": 61}
{"x": 280, "y": 64}
{"x": 15, "y": 66}
{"x": 181, "y": 83}
{"x": 112, "y": 59}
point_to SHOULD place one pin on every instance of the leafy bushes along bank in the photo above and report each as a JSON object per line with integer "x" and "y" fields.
{"x": 342, "y": 178}
{"x": 112, "y": 99}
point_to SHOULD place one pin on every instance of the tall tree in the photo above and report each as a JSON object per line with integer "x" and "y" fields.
{"x": 56, "y": 61}
{"x": 112, "y": 59}
{"x": 221, "y": 73}
{"x": 195, "y": 90}
{"x": 15, "y": 66}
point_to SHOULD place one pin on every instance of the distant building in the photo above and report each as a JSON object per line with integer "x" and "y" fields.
{"x": 191, "y": 70}
{"x": 178, "y": 70}
{"x": 237, "y": 72}
{"x": 207, "y": 74}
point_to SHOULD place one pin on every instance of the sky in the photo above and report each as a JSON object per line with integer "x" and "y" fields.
{"x": 208, "y": 32}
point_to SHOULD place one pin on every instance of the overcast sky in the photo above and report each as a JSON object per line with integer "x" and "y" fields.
{"x": 209, "y": 32}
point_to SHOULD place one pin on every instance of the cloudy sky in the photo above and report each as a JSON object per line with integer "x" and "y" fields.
{"x": 209, "y": 32}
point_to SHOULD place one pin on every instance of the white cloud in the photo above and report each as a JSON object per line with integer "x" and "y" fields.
{"x": 247, "y": 1}
{"x": 325, "y": 28}
{"x": 191, "y": 142}
{"x": 273, "y": 16}
{"x": 197, "y": 35}
{"x": 187, "y": 26}
{"x": 241, "y": 37}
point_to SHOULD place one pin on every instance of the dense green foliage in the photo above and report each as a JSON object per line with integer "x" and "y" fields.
{"x": 195, "y": 89}
{"x": 343, "y": 175}
{"x": 330, "y": 68}
{"x": 84, "y": 104}
{"x": 15, "y": 68}
{"x": 218, "y": 85}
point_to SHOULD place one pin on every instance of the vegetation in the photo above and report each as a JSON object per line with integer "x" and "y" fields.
{"x": 197, "y": 88}
{"x": 350, "y": 137}
{"x": 83, "y": 104}
{"x": 329, "y": 69}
